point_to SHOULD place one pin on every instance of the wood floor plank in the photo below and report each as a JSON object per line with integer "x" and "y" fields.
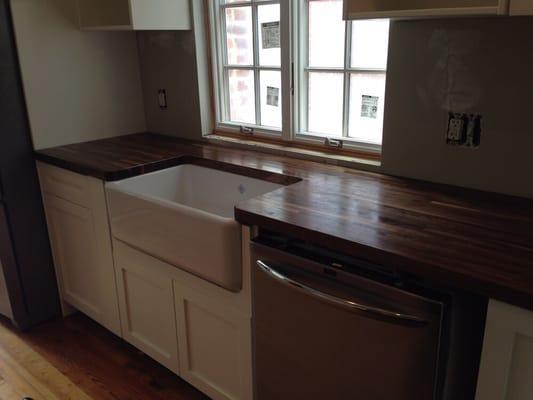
{"x": 94, "y": 361}
{"x": 27, "y": 373}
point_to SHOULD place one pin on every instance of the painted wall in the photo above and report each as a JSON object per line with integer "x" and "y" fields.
{"x": 168, "y": 62}
{"x": 466, "y": 65}
{"x": 79, "y": 86}
{"x": 178, "y": 61}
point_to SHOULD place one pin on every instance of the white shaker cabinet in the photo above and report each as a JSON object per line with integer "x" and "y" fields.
{"x": 215, "y": 332}
{"x": 76, "y": 214}
{"x": 215, "y": 345}
{"x": 134, "y": 14}
{"x": 193, "y": 327}
{"x": 506, "y": 371}
{"x": 147, "y": 305}
{"x": 362, "y": 9}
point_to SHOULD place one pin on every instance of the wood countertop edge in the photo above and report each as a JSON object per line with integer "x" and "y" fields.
{"x": 430, "y": 273}
{"x": 170, "y": 162}
{"x": 394, "y": 205}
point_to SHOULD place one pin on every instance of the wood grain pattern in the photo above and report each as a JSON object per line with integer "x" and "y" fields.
{"x": 25, "y": 373}
{"x": 75, "y": 358}
{"x": 478, "y": 241}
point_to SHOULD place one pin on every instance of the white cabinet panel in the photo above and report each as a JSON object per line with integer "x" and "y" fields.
{"x": 65, "y": 184}
{"x": 76, "y": 215}
{"x": 521, "y": 7}
{"x": 185, "y": 323}
{"x": 134, "y": 14}
{"x": 72, "y": 235}
{"x": 214, "y": 345}
{"x": 5, "y": 305}
{"x": 160, "y": 14}
{"x": 361, "y": 9}
{"x": 506, "y": 371}
{"x": 147, "y": 305}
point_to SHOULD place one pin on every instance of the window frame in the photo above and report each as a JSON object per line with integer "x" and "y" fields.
{"x": 294, "y": 43}
{"x": 220, "y": 77}
{"x": 300, "y": 23}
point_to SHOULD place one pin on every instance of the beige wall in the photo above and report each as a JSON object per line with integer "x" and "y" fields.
{"x": 79, "y": 85}
{"x": 468, "y": 65}
{"x": 168, "y": 62}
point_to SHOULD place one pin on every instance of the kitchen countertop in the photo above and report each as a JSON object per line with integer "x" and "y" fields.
{"x": 477, "y": 241}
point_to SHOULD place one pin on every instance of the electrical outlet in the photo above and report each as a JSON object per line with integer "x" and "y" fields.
{"x": 464, "y": 130}
{"x": 456, "y": 129}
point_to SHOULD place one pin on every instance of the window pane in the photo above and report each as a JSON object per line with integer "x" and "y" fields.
{"x": 370, "y": 43}
{"x": 269, "y": 35}
{"x": 325, "y": 103}
{"x": 270, "y": 83}
{"x": 237, "y": 1}
{"x": 241, "y": 95}
{"x": 326, "y": 33}
{"x": 367, "y": 103}
{"x": 239, "y": 36}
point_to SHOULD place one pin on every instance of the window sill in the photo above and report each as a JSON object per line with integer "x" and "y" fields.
{"x": 349, "y": 161}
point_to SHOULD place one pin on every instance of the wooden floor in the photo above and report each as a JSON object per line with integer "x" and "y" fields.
{"x": 77, "y": 359}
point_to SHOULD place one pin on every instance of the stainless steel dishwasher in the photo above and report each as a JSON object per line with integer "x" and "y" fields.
{"x": 328, "y": 326}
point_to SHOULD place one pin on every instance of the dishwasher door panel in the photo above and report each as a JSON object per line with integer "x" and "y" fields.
{"x": 308, "y": 347}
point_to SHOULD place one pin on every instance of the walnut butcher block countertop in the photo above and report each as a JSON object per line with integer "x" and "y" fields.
{"x": 478, "y": 241}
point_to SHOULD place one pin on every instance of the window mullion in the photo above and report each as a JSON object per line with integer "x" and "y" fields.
{"x": 223, "y": 42}
{"x": 305, "y": 63}
{"x": 257, "y": 86}
{"x": 286, "y": 70}
{"x": 347, "y": 64}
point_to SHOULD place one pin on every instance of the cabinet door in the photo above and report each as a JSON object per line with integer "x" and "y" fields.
{"x": 146, "y": 305}
{"x": 521, "y": 7}
{"x": 85, "y": 277}
{"x": 160, "y": 14}
{"x": 354, "y": 9}
{"x": 215, "y": 345}
{"x": 134, "y": 14}
{"x": 506, "y": 371}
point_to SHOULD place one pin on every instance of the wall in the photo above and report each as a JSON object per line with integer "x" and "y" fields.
{"x": 468, "y": 65}
{"x": 79, "y": 86}
{"x": 168, "y": 62}
{"x": 178, "y": 61}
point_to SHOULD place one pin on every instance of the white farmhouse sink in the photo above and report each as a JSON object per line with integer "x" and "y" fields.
{"x": 184, "y": 216}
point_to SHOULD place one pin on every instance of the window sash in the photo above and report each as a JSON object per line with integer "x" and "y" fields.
{"x": 222, "y": 68}
{"x": 301, "y": 97}
{"x": 294, "y": 71}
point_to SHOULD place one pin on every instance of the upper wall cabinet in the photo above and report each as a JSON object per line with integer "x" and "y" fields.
{"x": 361, "y": 9}
{"x": 134, "y": 14}
{"x": 521, "y": 7}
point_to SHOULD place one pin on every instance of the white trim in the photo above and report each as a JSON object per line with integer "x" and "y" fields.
{"x": 215, "y": 50}
{"x": 348, "y": 142}
{"x": 286, "y": 73}
{"x": 346, "y": 78}
{"x": 255, "y": 55}
{"x": 317, "y": 155}
{"x": 501, "y": 9}
{"x": 221, "y": 67}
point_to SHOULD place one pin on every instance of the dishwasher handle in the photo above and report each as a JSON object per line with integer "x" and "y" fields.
{"x": 337, "y": 301}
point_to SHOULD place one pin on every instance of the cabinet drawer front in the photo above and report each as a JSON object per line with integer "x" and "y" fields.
{"x": 64, "y": 184}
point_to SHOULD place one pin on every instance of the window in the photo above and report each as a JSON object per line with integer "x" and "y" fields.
{"x": 295, "y": 71}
